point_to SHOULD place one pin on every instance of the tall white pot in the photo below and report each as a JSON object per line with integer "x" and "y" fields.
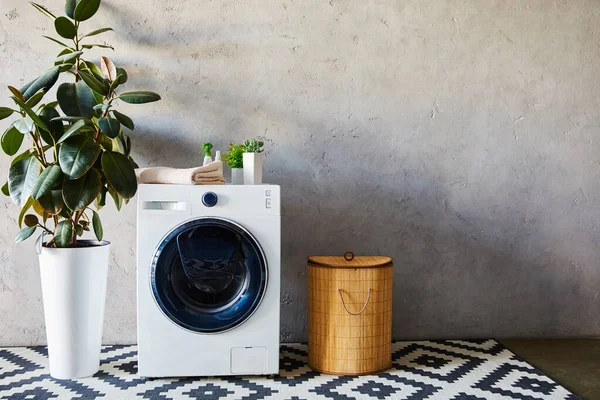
{"x": 253, "y": 168}
{"x": 74, "y": 292}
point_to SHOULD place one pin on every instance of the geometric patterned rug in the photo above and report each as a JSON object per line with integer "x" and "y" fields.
{"x": 441, "y": 369}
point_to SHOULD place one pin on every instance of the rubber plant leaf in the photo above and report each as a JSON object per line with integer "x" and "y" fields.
{"x": 65, "y": 28}
{"x": 76, "y": 99}
{"x": 70, "y": 8}
{"x": 56, "y": 128}
{"x": 25, "y": 234}
{"x": 24, "y": 210}
{"x": 80, "y": 193}
{"x": 43, "y": 10}
{"x": 124, "y": 119}
{"x": 11, "y": 141}
{"x": 22, "y": 177}
{"x": 85, "y": 9}
{"x": 77, "y": 155}
{"x": 141, "y": 97}
{"x": 110, "y": 127}
{"x": 63, "y": 234}
{"x": 119, "y": 173}
{"x": 97, "y": 32}
{"x": 46, "y": 181}
{"x": 97, "y": 224}
{"x": 52, "y": 202}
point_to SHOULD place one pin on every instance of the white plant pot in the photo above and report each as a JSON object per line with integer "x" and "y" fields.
{"x": 237, "y": 176}
{"x": 253, "y": 163}
{"x": 74, "y": 292}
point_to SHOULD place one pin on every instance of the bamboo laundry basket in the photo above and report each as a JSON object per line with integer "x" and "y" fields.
{"x": 350, "y": 314}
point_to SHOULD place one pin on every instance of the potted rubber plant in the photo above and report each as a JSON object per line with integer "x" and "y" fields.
{"x": 235, "y": 159}
{"x": 78, "y": 153}
{"x": 253, "y": 161}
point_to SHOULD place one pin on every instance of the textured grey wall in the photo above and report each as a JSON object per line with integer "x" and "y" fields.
{"x": 459, "y": 137}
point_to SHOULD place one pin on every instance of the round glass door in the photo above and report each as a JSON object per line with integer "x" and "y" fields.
{"x": 209, "y": 275}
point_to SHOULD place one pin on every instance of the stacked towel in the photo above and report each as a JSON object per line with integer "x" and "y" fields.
{"x": 207, "y": 175}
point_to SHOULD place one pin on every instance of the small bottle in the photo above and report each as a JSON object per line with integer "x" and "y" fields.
{"x": 207, "y": 156}
{"x": 218, "y": 158}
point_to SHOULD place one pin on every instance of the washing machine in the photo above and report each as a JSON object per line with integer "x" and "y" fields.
{"x": 208, "y": 280}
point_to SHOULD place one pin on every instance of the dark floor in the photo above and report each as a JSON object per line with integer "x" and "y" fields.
{"x": 574, "y": 363}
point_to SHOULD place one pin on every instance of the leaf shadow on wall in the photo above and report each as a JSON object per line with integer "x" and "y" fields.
{"x": 462, "y": 270}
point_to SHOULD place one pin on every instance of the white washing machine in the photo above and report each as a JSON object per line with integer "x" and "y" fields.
{"x": 208, "y": 280}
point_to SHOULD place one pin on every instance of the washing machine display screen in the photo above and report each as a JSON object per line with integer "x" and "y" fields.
{"x": 209, "y": 275}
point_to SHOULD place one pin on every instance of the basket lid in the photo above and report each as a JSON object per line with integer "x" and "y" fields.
{"x": 348, "y": 260}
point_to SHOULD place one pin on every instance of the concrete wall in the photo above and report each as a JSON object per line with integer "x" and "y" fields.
{"x": 459, "y": 137}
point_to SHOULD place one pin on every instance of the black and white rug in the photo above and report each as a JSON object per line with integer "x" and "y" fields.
{"x": 448, "y": 369}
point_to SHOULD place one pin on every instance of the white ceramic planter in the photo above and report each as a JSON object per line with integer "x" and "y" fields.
{"x": 237, "y": 176}
{"x": 74, "y": 292}
{"x": 253, "y": 163}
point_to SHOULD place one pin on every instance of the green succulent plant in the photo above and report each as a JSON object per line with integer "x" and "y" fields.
{"x": 254, "y": 146}
{"x": 79, "y": 150}
{"x": 235, "y": 155}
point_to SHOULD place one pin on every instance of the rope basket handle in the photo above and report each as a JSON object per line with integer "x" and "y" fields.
{"x": 362, "y": 310}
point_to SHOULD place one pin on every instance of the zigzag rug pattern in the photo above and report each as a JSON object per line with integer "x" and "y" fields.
{"x": 443, "y": 369}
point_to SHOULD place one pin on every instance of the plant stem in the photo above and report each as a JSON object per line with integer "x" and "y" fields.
{"x": 38, "y": 149}
{"x": 46, "y": 229}
{"x": 55, "y": 148}
{"x": 40, "y": 144}
{"x": 74, "y": 234}
{"x": 77, "y": 216}
{"x": 76, "y": 41}
{"x": 98, "y": 133}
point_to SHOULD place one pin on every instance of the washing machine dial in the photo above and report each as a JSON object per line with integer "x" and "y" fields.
{"x": 210, "y": 199}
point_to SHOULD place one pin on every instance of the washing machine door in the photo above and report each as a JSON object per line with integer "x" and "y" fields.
{"x": 209, "y": 275}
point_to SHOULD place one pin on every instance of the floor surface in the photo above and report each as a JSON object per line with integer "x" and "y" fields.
{"x": 574, "y": 363}
{"x": 433, "y": 370}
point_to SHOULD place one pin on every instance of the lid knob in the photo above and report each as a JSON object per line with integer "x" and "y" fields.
{"x": 210, "y": 199}
{"x": 349, "y": 256}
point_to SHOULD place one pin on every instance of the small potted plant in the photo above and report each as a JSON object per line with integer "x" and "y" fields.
{"x": 253, "y": 161}
{"x": 235, "y": 159}
{"x": 79, "y": 153}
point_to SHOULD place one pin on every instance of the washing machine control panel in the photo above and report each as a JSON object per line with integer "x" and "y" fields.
{"x": 210, "y": 199}
{"x": 198, "y": 200}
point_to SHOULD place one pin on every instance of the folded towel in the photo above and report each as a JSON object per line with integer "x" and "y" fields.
{"x": 207, "y": 175}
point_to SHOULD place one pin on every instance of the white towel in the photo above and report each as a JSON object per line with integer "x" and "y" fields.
{"x": 207, "y": 175}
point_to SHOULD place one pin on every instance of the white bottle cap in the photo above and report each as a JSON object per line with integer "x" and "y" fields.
{"x": 218, "y": 155}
